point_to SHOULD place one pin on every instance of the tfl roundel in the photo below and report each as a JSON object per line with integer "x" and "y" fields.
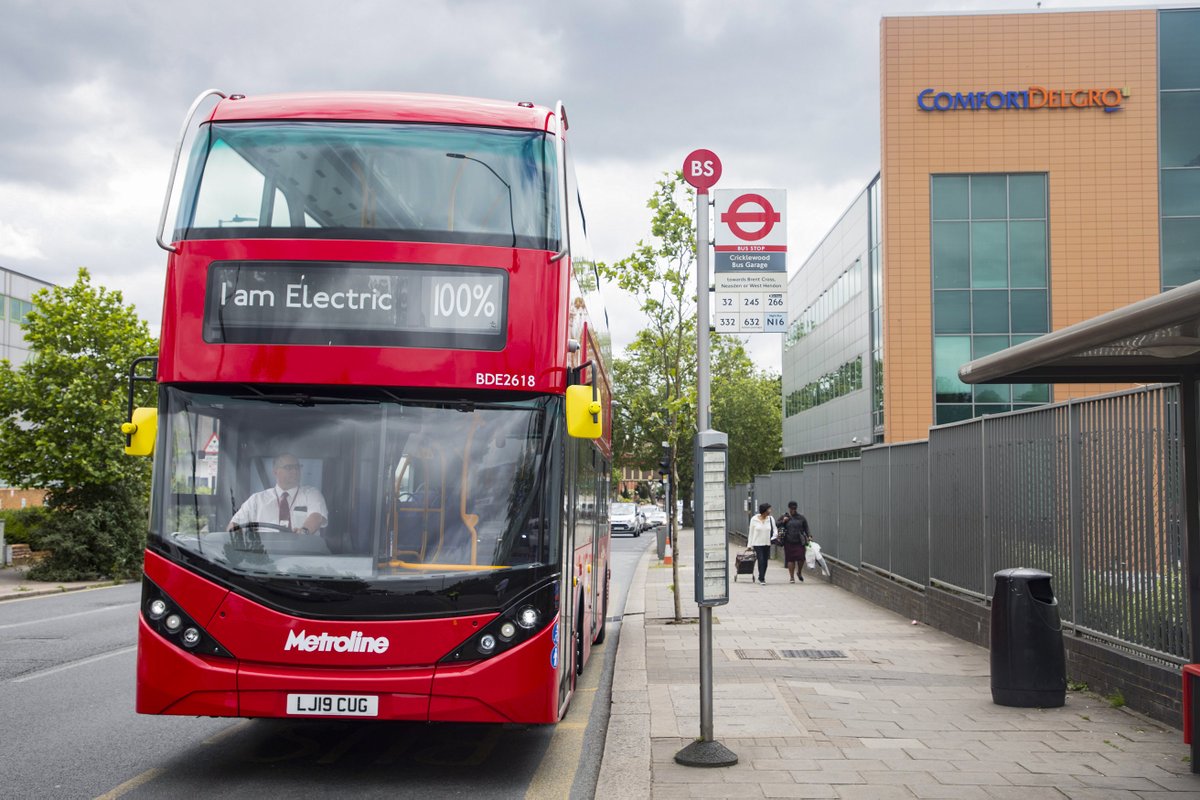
{"x": 750, "y": 219}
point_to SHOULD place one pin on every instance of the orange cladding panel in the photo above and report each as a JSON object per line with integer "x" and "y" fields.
{"x": 1102, "y": 167}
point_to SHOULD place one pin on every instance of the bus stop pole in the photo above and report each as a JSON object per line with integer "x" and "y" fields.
{"x": 705, "y": 752}
{"x": 703, "y": 379}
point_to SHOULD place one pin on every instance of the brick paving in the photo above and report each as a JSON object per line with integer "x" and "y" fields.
{"x": 906, "y": 713}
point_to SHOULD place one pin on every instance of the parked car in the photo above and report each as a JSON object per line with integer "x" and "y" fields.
{"x": 654, "y": 515}
{"x": 624, "y": 518}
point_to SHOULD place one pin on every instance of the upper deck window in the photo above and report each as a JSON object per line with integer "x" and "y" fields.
{"x": 345, "y": 180}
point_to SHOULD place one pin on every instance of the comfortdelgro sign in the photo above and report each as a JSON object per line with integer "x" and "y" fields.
{"x": 1022, "y": 99}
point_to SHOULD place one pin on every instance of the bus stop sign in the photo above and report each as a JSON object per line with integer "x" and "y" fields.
{"x": 702, "y": 169}
{"x": 750, "y": 240}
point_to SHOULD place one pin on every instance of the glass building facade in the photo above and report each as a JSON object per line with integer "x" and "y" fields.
{"x": 990, "y": 277}
{"x": 16, "y": 295}
{"x": 1179, "y": 144}
{"x": 990, "y": 225}
{"x": 827, "y": 394}
{"x": 875, "y": 286}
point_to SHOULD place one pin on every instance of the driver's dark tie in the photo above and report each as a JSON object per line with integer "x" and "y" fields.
{"x": 285, "y": 512}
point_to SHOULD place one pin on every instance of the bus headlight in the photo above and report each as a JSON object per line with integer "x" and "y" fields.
{"x": 525, "y": 618}
{"x": 168, "y": 619}
{"x": 528, "y": 618}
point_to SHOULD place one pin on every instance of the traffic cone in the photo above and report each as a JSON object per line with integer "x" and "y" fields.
{"x": 667, "y": 552}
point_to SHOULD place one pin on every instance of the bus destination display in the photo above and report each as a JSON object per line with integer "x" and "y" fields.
{"x": 337, "y": 303}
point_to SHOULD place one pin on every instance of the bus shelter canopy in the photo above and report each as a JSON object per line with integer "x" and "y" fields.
{"x": 1156, "y": 340}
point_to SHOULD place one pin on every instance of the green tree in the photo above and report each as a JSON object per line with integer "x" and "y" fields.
{"x": 746, "y": 405}
{"x": 655, "y": 382}
{"x": 60, "y": 416}
{"x": 660, "y": 365}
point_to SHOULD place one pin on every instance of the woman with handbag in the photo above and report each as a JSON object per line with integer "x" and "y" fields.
{"x": 762, "y": 533}
{"x": 794, "y": 535}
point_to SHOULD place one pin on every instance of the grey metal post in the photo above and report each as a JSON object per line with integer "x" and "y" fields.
{"x": 664, "y": 531}
{"x": 702, "y": 391}
{"x": 1075, "y": 505}
{"x": 988, "y": 579}
{"x": 702, "y": 321}
{"x": 1189, "y": 408}
{"x": 3, "y": 546}
{"x": 705, "y": 752}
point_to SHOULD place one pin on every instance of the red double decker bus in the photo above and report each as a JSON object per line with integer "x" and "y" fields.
{"x": 381, "y": 450}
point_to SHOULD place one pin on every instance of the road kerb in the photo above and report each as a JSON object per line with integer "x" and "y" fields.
{"x": 625, "y": 767}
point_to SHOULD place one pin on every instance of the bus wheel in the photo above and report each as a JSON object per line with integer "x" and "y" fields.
{"x": 603, "y": 616}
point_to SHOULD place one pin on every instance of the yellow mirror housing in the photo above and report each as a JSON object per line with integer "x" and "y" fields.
{"x": 584, "y": 419}
{"x": 142, "y": 431}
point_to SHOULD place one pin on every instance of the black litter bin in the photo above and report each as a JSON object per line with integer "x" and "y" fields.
{"x": 1028, "y": 662}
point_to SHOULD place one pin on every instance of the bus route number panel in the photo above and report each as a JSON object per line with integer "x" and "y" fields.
{"x": 750, "y": 309}
{"x": 349, "y": 303}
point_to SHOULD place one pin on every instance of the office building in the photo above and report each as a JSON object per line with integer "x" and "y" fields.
{"x": 1037, "y": 169}
{"x": 16, "y": 296}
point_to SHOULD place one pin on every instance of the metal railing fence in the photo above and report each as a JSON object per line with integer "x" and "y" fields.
{"x": 1088, "y": 490}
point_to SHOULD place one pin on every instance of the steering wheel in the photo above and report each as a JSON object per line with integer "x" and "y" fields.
{"x": 405, "y": 497}
{"x": 270, "y": 526}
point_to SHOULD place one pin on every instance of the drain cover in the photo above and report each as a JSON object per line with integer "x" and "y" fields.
{"x": 812, "y": 654}
{"x": 757, "y": 655}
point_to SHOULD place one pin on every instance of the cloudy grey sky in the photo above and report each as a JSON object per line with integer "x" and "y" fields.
{"x": 785, "y": 91}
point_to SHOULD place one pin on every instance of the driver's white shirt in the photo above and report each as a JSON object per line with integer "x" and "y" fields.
{"x": 264, "y": 506}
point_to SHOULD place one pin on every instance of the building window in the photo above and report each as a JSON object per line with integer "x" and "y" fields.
{"x": 1179, "y": 151}
{"x": 18, "y": 310}
{"x": 830, "y": 386}
{"x": 875, "y": 288}
{"x": 989, "y": 262}
{"x": 844, "y": 288}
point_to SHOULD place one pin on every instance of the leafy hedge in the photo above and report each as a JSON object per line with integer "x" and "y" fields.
{"x": 22, "y": 525}
{"x": 97, "y": 537}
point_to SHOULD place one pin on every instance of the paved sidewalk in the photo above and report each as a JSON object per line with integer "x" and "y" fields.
{"x": 907, "y": 712}
{"x": 15, "y": 584}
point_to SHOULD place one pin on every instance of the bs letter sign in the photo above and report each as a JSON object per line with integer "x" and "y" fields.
{"x": 702, "y": 169}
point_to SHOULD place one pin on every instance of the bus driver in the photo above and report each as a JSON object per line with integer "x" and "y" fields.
{"x": 288, "y": 504}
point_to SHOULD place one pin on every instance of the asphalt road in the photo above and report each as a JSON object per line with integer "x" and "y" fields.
{"x": 68, "y": 728}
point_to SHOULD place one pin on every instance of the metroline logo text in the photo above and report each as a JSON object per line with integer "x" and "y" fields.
{"x": 354, "y": 643}
{"x": 1034, "y": 97}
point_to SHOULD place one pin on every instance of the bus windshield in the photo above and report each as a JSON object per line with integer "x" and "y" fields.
{"x": 348, "y": 180}
{"x": 293, "y": 494}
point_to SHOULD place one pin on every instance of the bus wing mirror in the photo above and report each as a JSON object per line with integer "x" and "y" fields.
{"x": 583, "y": 413}
{"x": 140, "y": 432}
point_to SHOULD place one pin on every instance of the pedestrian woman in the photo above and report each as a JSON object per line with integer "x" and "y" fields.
{"x": 762, "y": 531}
{"x": 794, "y": 533}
